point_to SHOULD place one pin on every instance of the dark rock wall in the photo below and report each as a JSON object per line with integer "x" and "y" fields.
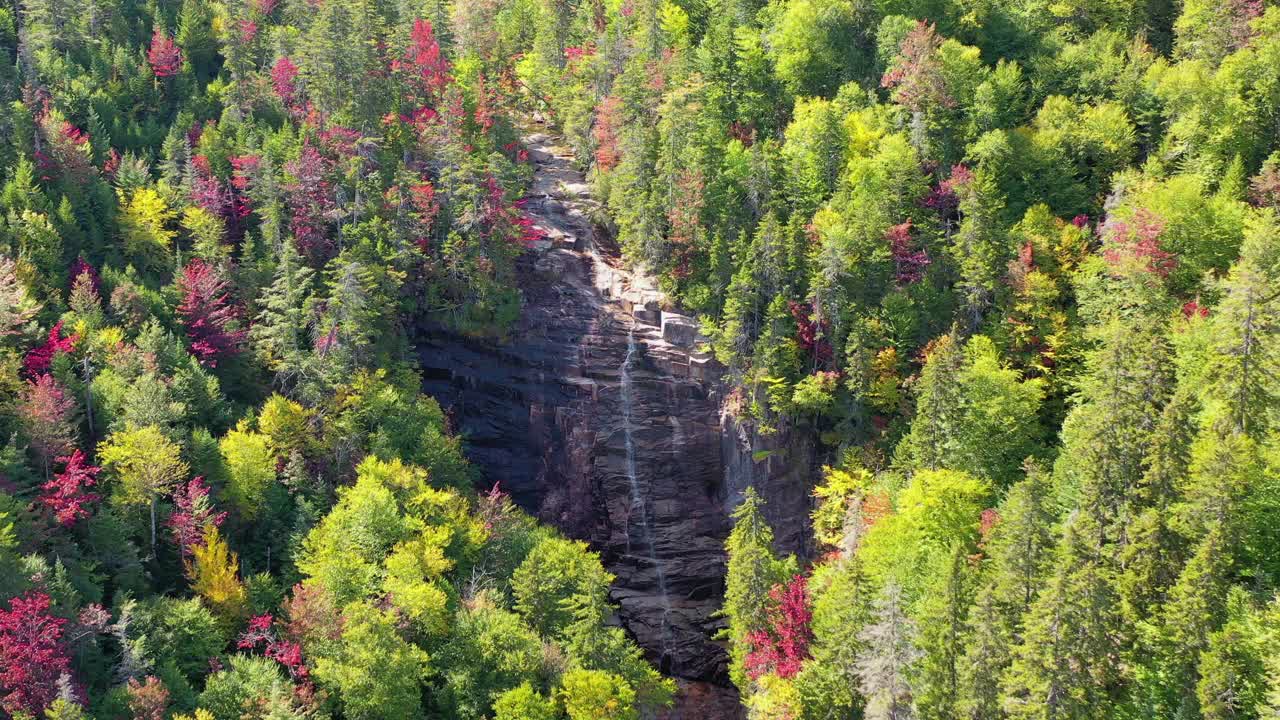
{"x": 541, "y": 415}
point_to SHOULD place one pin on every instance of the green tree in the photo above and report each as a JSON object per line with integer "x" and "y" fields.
{"x": 753, "y": 571}
{"x": 973, "y": 414}
{"x": 554, "y": 571}
{"x": 829, "y": 683}
{"x": 819, "y": 45}
{"x": 1240, "y": 390}
{"x": 146, "y": 465}
{"x": 944, "y": 632}
{"x": 374, "y": 672}
{"x": 280, "y": 333}
{"x": 246, "y": 682}
{"x": 490, "y": 651}
{"x": 250, "y": 469}
{"x": 1067, "y": 665}
{"x": 597, "y": 695}
{"x": 523, "y": 703}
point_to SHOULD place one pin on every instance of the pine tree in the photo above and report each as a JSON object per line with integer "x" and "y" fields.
{"x": 938, "y": 406}
{"x": 973, "y": 414}
{"x": 196, "y": 39}
{"x": 987, "y": 655}
{"x": 280, "y": 333}
{"x": 1155, "y": 550}
{"x": 347, "y": 322}
{"x": 1021, "y": 546}
{"x": 1107, "y": 437}
{"x": 1242, "y": 389}
{"x": 841, "y": 609}
{"x": 1232, "y": 672}
{"x": 49, "y": 26}
{"x": 1195, "y": 609}
{"x": 979, "y": 246}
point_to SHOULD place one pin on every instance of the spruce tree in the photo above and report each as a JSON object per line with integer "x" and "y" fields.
{"x": 944, "y": 632}
{"x": 1067, "y": 665}
{"x": 753, "y": 570}
{"x": 888, "y": 659}
{"x": 280, "y": 333}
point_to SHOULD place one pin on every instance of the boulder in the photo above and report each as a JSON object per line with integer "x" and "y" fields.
{"x": 679, "y": 330}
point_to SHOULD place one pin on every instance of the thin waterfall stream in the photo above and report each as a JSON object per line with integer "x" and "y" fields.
{"x": 639, "y": 507}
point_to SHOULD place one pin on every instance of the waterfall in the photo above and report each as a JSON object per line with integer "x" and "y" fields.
{"x": 639, "y": 509}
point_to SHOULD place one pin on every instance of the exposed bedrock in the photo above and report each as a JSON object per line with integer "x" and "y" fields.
{"x": 598, "y": 414}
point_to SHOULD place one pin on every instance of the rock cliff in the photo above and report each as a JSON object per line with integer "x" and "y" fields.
{"x": 599, "y": 415}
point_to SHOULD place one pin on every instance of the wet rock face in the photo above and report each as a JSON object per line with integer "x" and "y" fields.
{"x": 542, "y": 414}
{"x": 545, "y": 414}
{"x": 780, "y": 466}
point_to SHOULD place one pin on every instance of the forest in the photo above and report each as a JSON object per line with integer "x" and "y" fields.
{"x": 1014, "y": 267}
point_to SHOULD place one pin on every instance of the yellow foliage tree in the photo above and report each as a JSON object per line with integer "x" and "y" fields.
{"x": 144, "y": 220}
{"x": 251, "y": 468}
{"x": 214, "y": 578}
{"x": 286, "y": 423}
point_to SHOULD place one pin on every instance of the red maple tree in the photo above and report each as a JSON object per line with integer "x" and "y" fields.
{"x": 426, "y": 65}
{"x": 908, "y": 262}
{"x": 810, "y": 333}
{"x": 208, "y": 313}
{"x": 310, "y": 202}
{"x": 46, "y": 412}
{"x": 164, "y": 55}
{"x": 39, "y": 358}
{"x": 32, "y": 655}
{"x": 605, "y": 132}
{"x": 260, "y": 633}
{"x": 148, "y": 700}
{"x": 67, "y": 495}
{"x": 1140, "y": 241}
{"x": 284, "y": 75}
{"x": 783, "y": 646}
{"x": 193, "y": 514}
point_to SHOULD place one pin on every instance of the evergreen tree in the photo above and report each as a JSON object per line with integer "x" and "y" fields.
{"x": 979, "y": 248}
{"x": 888, "y": 659}
{"x": 944, "y": 632}
{"x": 1242, "y": 392}
{"x": 753, "y": 570}
{"x": 1067, "y": 665}
{"x": 280, "y": 333}
{"x": 987, "y": 655}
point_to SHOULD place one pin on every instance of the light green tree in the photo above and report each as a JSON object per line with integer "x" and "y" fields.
{"x": 146, "y": 464}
